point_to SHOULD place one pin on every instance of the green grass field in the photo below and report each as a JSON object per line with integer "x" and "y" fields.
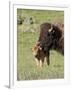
{"x": 26, "y": 65}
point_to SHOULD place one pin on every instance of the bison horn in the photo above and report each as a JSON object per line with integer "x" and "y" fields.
{"x": 50, "y": 29}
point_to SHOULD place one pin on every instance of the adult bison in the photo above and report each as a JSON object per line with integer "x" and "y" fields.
{"x": 51, "y": 37}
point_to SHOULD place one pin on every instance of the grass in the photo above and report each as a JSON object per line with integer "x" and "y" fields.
{"x": 26, "y": 66}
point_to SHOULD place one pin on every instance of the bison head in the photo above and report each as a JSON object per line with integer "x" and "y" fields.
{"x": 51, "y": 38}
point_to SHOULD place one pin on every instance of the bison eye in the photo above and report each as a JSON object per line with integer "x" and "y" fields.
{"x": 53, "y": 31}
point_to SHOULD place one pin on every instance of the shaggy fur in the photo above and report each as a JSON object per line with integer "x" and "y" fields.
{"x": 51, "y": 37}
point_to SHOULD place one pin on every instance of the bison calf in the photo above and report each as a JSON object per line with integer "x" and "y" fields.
{"x": 40, "y": 55}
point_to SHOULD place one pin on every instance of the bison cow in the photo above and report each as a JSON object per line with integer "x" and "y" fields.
{"x": 51, "y": 37}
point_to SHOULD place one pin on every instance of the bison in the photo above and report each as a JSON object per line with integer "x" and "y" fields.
{"x": 51, "y": 37}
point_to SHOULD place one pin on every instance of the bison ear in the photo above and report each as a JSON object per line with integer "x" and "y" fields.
{"x": 50, "y": 29}
{"x": 37, "y": 43}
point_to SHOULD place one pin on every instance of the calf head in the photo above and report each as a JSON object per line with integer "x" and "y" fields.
{"x": 36, "y": 48}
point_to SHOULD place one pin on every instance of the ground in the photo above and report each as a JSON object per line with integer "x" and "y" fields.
{"x": 26, "y": 38}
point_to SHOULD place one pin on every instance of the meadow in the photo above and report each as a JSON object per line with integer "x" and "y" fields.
{"x": 27, "y": 36}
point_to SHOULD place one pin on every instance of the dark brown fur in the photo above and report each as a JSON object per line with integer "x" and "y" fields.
{"x": 49, "y": 40}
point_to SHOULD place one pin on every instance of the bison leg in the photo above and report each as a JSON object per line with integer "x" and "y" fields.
{"x": 47, "y": 59}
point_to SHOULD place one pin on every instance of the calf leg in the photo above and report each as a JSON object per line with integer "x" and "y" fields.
{"x": 41, "y": 63}
{"x": 37, "y": 62}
